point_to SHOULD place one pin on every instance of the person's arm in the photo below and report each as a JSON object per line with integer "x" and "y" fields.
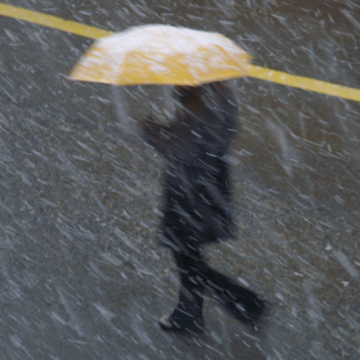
{"x": 176, "y": 140}
{"x": 155, "y": 135}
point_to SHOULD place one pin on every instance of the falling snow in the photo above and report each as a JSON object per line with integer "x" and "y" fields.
{"x": 81, "y": 271}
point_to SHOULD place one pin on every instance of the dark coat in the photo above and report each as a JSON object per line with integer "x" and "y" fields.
{"x": 197, "y": 190}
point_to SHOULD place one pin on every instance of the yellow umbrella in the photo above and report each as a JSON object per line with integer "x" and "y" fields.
{"x": 161, "y": 54}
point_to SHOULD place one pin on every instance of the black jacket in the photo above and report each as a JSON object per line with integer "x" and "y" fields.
{"x": 197, "y": 190}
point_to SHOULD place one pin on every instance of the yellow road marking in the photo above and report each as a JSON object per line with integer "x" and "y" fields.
{"x": 258, "y": 72}
{"x": 304, "y": 83}
{"x": 52, "y": 22}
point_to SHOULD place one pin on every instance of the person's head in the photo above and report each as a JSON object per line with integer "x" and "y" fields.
{"x": 185, "y": 93}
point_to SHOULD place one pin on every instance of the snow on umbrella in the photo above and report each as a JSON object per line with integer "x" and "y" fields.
{"x": 161, "y": 54}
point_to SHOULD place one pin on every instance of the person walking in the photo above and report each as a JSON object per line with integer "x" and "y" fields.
{"x": 197, "y": 207}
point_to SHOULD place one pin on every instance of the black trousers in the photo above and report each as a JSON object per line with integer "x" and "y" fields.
{"x": 198, "y": 279}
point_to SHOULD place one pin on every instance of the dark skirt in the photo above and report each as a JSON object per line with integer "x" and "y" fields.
{"x": 195, "y": 214}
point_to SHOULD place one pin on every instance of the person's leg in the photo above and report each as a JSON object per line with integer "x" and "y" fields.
{"x": 187, "y": 315}
{"x": 243, "y": 304}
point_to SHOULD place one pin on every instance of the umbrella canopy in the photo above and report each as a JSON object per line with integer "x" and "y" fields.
{"x": 161, "y": 54}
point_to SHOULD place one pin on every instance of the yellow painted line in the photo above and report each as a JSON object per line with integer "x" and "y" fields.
{"x": 52, "y": 22}
{"x": 304, "y": 83}
{"x": 258, "y": 72}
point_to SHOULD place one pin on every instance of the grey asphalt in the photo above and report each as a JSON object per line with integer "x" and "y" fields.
{"x": 81, "y": 272}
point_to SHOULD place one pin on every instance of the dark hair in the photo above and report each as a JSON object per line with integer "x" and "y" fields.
{"x": 184, "y": 93}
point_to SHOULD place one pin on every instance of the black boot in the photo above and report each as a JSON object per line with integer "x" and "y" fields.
{"x": 179, "y": 321}
{"x": 187, "y": 315}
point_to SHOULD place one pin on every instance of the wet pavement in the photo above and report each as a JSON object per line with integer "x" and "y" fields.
{"x": 82, "y": 275}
